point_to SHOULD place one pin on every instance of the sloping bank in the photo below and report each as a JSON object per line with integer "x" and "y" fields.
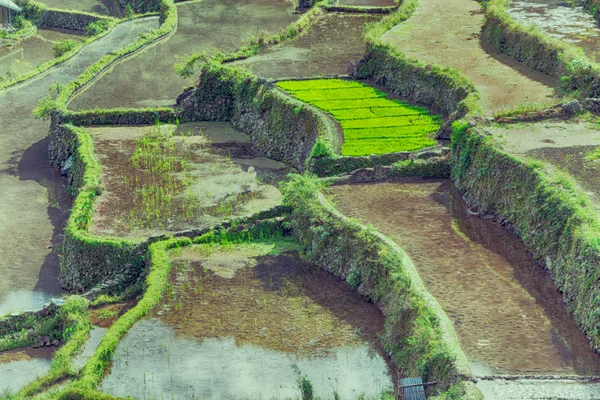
{"x": 81, "y": 251}
{"x": 561, "y": 60}
{"x": 549, "y": 213}
{"x": 418, "y": 334}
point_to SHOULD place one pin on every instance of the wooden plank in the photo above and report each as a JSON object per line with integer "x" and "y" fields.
{"x": 413, "y": 390}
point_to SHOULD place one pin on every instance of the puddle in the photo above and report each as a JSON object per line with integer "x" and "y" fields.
{"x": 327, "y": 48}
{"x": 198, "y": 184}
{"x": 33, "y": 202}
{"x": 203, "y": 26}
{"x": 561, "y": 20}
{"x": 238, "y": 332}
{"x": 30, "y": 53}
{"x": 450, "y": 37}
{"x": 102, "y": 7}
{"x": 506, "y": 312}
{"x": 20, "y": 367}
{"x": 96, "y": 335}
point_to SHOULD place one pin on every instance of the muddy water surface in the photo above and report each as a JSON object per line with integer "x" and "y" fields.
{"x": 33, "y": 202}
{"x": 102, "y": 7}
{"x": 506, "y": 312}
{"x": 327, "y": 48}
{"x": 20, "y": 367}
{"x": 237, "y": 319}
{"x": 449, "y": 36}
{"x": 31, "y": 52}
{"x": 561, "y": 20}
{"x": 203, "y": 26}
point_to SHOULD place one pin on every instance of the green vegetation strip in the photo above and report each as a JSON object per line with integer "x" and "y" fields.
{"x": 372, "y": 123}
{"x": 35, "y": 9}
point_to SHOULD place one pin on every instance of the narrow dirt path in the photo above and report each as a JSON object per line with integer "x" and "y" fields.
{"x": 149, "y": 79}
{"x": 447, "y": 34}
{"x": 33, "y": 203}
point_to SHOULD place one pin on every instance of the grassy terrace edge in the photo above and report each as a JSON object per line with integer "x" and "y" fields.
{"x": 578, "y": 75}
{"x": 80, "y": 44}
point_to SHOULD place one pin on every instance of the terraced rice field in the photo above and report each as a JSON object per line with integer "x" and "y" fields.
{"x": 372, "y": 123}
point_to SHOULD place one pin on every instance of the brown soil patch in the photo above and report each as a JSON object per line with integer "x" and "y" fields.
{"x": 506, "y": 311}
{"x": 562, "y": 145}
{"x": 27, "y": 354}
{"x": 327, "y": 48}
{"x": 449, "y": 36}
{"x": 204, "y": 185}
{"x": 105, "y": 316}
{"x": 273, "y": 301}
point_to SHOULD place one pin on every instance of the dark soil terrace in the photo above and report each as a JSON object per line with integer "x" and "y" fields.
{"x": 449, "y": 36}
{"x": 102, "y": 7}
{"x": 561, "y": 145}
{"x": 371, "y": 3}
{"x": 31, "y": 52}
{"x": 33, "y": 202}
{"x": 203, "y": 26}
{"x": 326, "y": 48}
{"x": 209, "y": 183}
{"x": 507, "y": 314}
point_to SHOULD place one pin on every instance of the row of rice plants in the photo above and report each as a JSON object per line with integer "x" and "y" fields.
{"x": 372, "y": 123}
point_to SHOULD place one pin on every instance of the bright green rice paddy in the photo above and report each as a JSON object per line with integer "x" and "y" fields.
{"x": 372, "y": 123}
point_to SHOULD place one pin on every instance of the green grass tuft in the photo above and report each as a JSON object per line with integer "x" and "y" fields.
{"x": 372, "y": 123}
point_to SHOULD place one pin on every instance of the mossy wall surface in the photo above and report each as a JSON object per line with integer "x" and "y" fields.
{"x": 418, "y": 334}
{"x": 550, "y": 214}
{"x": 562, "y": 61}
{"x": 71, "y": 20}
{"x": 279, "y": 126}
{"x": 87, "y": 260}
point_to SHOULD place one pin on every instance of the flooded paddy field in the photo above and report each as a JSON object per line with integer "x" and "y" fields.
{"x": 507, "y": 314}
{"x": 163, "y": 179}
{"x": 565, "y": 146}
{"x": 244, "y": 321}
{"x": 33, "y": 201}
{"x": 31, "y": 52}
{"x": 561, "y": 20}
{"x": 327, "y": 48}
{"x": 20, "y": 367}
{"x": 203, "y": 26}
{"x": 102, "y": 7}
{"x": 449, "y": 36}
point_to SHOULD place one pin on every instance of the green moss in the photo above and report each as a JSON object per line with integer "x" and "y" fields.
{"x": 379, "y": 126}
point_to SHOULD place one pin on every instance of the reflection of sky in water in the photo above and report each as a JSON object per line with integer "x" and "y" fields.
{"x": 151, "y": 363}
{"x": 571, "y": 24}
{"x": 23, "y": 300}
{"x": 16, "y": 374}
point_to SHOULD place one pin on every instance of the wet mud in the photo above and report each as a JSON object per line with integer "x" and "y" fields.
{"x": 30, "y": 53}
{"x": 203, "y": 26}
{"x": 560, "y": 20}
{"x": 102, "y": 7}
{"x": 206, "y": 184}
{"x": 507, "y": 314}
{"x": 449, "y": 36}
{"x": 562, "y": 145}
{"x": 20, "y": 367}
{"x": 90, "y": 346}
{"x": 252, "y": 311}
{"x": 327, "y": 48}
{"x": 33, "y": 201}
